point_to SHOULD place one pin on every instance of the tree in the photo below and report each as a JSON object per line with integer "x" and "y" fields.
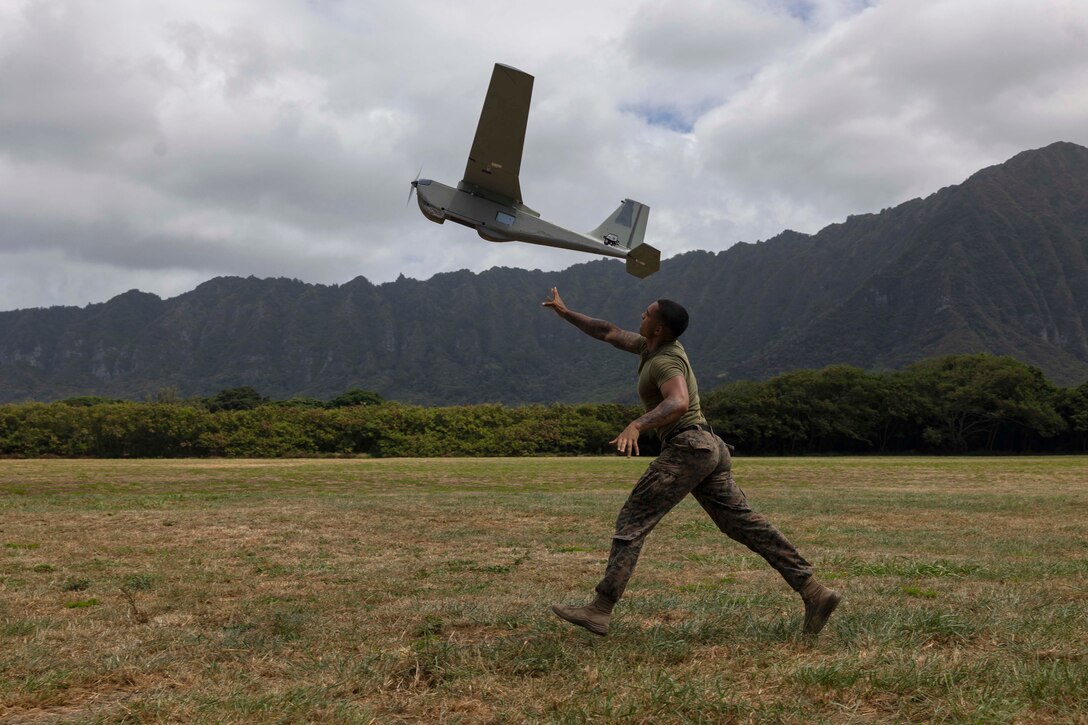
{"x": 970, "y": 401}
{"x": 355, "y": 396}
{"x": 86, "y": 401}
{"x": 300, "y": 401}
{"x": 1073, "y": 406}
{"x": 749, "y": 415}
{"x": 243, "y": 398}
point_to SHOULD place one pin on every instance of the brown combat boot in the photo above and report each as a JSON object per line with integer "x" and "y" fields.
{"x": 820, "y": 602}
{"x": 593, "y": 617}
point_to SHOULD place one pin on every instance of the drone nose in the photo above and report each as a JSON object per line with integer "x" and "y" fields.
{"x": 415, "y": 183}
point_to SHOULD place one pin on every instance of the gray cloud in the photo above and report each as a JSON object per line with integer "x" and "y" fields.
{"x": 64, "y": 100}
{"x": 152, "y": 144}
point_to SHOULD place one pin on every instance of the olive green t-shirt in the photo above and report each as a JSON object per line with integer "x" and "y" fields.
{"x": 659, "y": 366}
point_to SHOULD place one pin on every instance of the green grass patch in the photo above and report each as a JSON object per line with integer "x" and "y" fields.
{"x": 920, "y": 592}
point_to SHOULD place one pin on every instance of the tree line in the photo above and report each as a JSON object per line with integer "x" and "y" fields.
{"x": 954, "y": 404}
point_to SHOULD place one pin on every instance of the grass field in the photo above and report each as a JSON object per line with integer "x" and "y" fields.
{"x": 418, "y": 591}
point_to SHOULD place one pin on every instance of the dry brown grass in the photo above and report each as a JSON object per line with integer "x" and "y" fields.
{"x": 417, "y": 591}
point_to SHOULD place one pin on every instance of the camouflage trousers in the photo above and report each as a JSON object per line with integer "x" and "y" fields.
{"x": 695, "y": 462}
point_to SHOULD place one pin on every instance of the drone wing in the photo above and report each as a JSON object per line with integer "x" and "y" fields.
{"x": 495, "y": 159}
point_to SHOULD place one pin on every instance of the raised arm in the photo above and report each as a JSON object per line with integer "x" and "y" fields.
{"x": 600, "y": 329}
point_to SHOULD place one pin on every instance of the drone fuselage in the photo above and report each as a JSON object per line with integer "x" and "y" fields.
{"x": 498, "y": 221}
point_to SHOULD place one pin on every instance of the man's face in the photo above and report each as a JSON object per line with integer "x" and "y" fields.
{"x": 649, "y": 321}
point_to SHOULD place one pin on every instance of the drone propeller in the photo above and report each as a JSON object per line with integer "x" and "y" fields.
{"x": 415, "y": 183}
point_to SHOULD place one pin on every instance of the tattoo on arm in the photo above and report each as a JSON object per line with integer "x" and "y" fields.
{"x": 603, "y": 330}
{"x": 624, "y": 340}
{"x": 667, "y": 411}
{"x": 590, "y": 326}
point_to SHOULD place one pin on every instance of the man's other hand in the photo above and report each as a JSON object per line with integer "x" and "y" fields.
{"x": 627, "y": 441}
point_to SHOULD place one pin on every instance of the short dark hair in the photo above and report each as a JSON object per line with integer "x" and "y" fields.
{"x": 673, "y": 316}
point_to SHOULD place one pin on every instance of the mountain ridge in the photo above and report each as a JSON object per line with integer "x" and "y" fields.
{"x": 996, "y": 264}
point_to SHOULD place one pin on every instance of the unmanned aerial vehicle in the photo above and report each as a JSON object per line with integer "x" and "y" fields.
{"x": 488, "y": 199}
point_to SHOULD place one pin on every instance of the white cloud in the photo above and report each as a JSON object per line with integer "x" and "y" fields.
{"x": 153, "y": 144}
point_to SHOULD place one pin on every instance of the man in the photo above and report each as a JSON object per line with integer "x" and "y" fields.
{"x": 692, "y": 460}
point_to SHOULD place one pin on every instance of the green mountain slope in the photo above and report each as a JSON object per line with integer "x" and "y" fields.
{"x": 997, "y": 264}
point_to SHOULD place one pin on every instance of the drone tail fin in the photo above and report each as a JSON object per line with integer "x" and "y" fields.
{"x": 626, "y": 227}
{"x": 625, "y": 230}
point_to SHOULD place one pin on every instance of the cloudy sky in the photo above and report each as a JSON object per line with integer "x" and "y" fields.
{"x": 154, "y": 144}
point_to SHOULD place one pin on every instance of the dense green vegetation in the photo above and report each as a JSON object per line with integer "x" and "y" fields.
{"x": 125, "y": 429}
{"x": 955, "y": 404}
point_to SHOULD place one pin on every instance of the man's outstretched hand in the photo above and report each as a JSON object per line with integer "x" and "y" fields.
{"x": 555, "y": 301}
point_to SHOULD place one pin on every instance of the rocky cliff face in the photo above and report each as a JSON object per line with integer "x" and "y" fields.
{"x": 997, "y": 264}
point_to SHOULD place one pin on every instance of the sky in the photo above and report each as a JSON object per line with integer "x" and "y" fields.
{"x": 155, "y": 144}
